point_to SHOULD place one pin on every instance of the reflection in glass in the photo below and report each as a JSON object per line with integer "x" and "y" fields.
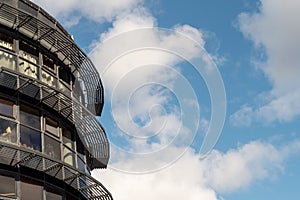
{"x": 28, "y": 68}
{"x": 8, "y": 131}
{"x": 51, "y": 126}
{"x": 7, "y": 60}
{"x": 7, "y": 187}
{"x": 68, "y": 156}
{"x": 81, "y": 165}
{"x": 52, "y": 147}
{"x": 48, "y": 79}
{"x": 6, "y": 108}
{"x": 30, "y": 138}
{"x": 30, "y": 116}
{"x": 68, "y": 138}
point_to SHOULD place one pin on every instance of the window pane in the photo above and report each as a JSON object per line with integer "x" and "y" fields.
{"x": 7, "y": 186}
{"x": 68, "y": 138}
{"x": 31, "y": 190}
{"x": 53, "y": 196}
{"x": 8, "y": 131}
{"x": 30, "y": 138}
{"x": 30, "y": 116}
{"x": 68, "y": 156}
{"x": 6, "y": 41}
{"x": 81, "y": 165}
{"x": 6, "y": 108}
{"x": 52, "y": 147}
{"x": 48, "y": 63}
{"x": 7, "y": 60}
{"x": 80, "y": 148}
{"x": 51, "y": 126}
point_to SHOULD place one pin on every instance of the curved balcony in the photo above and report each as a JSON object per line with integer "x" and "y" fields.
{"x": 32, "y": 21}
{"x": 87, "y": 186}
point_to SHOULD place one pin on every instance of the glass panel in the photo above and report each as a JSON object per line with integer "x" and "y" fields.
{"x": 8, "y": 131}
{"x": 68, "y": 138}
{"x": 52, "y": 147}
{"x": 6, "y": 41}
{"x": 51, "y": 126}
{"x": 30, "y": 138}
{"x": 64, "y": 74}
{"x": 6, "y": 108}
{"x": 28, "y": 69}
{"x": 48, "y": 63}
{"x": 80, "y": 148}
{"x": 68, "y": 156}
{"x": 28, "y": 52}
{"x": 7, "y": 60}
{"x": 31, "y": 190}
{"x": 81, "y": 165}
{"x": 49, "y": 79}
{"x": 7, "y": 186}
{"x": 53, "y": 196}
{"x": 30, "y": 116}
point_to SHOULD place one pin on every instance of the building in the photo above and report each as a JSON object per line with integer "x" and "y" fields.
{"x": 50, "y": 93}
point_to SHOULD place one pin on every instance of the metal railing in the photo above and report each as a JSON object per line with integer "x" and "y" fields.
{"x": 89, "y": 187}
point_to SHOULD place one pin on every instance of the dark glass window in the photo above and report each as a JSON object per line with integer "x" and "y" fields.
{"x": 8, "y": 131}
{"x": 28, "y": 48}
{"x": 31, "y": 190}
{"x": 30, "y": 138}
{"x": 68, "y": 138}
{"x": 81, "y": 165}
{"x": 64, "y": 74}
{"x": 30, "y": 116}
{"x": 51, "y": 126}
{"x": 80, "y": 148}
{"x": 52, "y": 147}
{"x": 6, "y": 108}
{"x": 7, "y": 187}
{"x": 6, "y": 41}
{"x": 48, "y": 63}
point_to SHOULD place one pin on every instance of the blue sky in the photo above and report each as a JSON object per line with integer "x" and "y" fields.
{"x": 158, "y": 106}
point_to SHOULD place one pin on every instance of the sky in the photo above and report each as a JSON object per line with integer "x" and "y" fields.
{"x": 201, "y": 96}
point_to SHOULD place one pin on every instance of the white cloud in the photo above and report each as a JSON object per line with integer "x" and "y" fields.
{"x": 70, "y": 11}
{"x": 275, "y": 28}
{"x": 191, "y": 178}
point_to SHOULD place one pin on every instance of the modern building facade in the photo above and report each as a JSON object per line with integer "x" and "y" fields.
{"x": 50, "y": 95}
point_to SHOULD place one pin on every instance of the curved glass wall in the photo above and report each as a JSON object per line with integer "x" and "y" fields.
{"x": 40, "y": 132}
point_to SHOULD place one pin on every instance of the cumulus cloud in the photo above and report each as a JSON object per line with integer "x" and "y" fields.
{"x": 192, "y": 178}
{"x": 70, "y": 11}
{"x": 274, "y": 30}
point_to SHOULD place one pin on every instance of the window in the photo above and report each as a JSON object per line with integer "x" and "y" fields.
{"x": 80, "y": 148}
{"x": 28, "y": 52}
{"x": 8, "y": 131}
{"x": 52, "y": 147}
{"x": 30, "y": 138}
{"x": 51, "y": 126}
{"x": 6, "y": 41}
{"x": 68, "y": 138}
{"x": 7, "y": 187}
{"x": 81, "y": 165}
{"x": 69, "y": 156}
{"x": 64, "y": 74}
{"x": 31, "y": 190}
{"x": 48, "y": 63}
{"x": 6, "y": 108}
{"x": 7, "y": 60}
{"x": 53, "y": 196}
{"x": 30, "y": 116}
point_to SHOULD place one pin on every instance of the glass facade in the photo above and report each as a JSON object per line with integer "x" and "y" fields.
{"x": 41, "y": 152}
